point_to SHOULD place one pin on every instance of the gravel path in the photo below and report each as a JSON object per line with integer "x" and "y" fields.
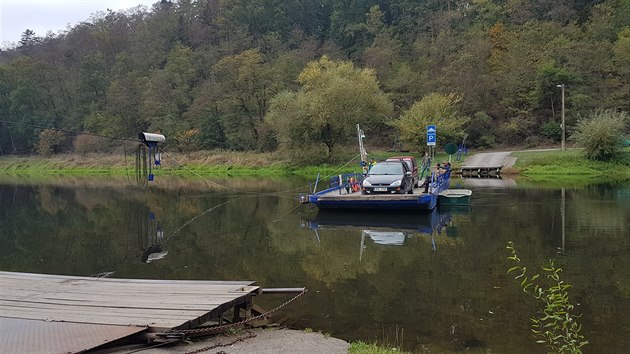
{"x": 260, "y": 341}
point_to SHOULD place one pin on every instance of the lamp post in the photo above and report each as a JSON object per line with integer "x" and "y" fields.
{"x": 562, "y": 124}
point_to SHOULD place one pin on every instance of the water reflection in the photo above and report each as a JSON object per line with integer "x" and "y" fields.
{"x": 439, "y": 276}
{"x": 390, "y": 229}
{"x": 426, "y": 223}
{"x": 150, "y": 237}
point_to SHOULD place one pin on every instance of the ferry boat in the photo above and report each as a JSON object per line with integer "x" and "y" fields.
{"x": 344, "y": 194}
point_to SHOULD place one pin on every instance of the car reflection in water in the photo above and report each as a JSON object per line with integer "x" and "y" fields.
{"x": 389, "y": 229}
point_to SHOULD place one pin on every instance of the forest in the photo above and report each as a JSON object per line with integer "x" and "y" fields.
{"x": 298, "y": 75}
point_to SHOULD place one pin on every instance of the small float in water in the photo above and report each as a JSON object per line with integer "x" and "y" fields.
{"x": 454, "y": 197}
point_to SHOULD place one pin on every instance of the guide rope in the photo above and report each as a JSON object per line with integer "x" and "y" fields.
{"x": 250, "y": 192}
{"x": 68, "y": 131}
{"x": 203, "y": 331}
{"x": 229, "y": 344}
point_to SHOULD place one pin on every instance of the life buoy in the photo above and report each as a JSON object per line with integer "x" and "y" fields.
{"x": 354, "y": 184}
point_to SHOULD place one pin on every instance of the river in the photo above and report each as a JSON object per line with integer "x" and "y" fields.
{"x": 429, "y": 283}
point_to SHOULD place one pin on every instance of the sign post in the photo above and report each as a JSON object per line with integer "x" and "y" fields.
{"x": 431, "y": 139}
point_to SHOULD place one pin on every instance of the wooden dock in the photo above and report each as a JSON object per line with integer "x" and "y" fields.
{"x": 140, "y": 305}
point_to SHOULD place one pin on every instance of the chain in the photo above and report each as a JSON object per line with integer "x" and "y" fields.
{"x": 217, "y": 329}
{"x": 240, "y": 339}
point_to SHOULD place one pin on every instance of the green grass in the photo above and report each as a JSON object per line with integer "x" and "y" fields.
{"x": 571, "y": 166}
{"x": 560, "y": 167}
{"x": 365, "y": 348}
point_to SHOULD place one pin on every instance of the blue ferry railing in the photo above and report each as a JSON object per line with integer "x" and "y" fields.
{"x": 351, "y": 179}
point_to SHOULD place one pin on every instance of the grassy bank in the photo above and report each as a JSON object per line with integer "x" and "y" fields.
{"x": 570, "y": 166}
{"x": 204, "y": 163}
{"x": 193, "y": 164}
{"x": 365, "y": 348}
{"x": 560, "y": 167}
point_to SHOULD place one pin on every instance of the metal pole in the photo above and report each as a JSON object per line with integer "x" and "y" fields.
{"x": 562, "y": 124}
{"x": 361, "y": 149}
{"x": 562, "y": 212}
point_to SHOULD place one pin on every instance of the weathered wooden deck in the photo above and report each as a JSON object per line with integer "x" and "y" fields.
{"x": 156, "y": 305}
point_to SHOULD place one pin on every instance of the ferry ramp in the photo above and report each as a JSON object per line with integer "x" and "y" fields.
{"x": 487, "y": 163}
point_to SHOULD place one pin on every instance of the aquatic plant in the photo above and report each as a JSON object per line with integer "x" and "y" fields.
{"x": 555, "y": 326}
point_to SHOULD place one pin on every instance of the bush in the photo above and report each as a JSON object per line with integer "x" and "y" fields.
{"x": 551, "y": 131}
{"x": 50, "y": 141}
{"x": 84, "y": 144}
{"x": 532, "y": 141}
{"x": 189, "y": 140}
{"x": 601, "y": 134}
{"x": 486, "y": 141}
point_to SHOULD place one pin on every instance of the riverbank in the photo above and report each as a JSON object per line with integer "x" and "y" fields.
{"x": 201, "y": 163}
{"x": 538, "y": 165}
{"x": 570, "y": 166}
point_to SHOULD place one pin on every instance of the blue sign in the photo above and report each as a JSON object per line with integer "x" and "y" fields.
{"x": 431, "y": 135}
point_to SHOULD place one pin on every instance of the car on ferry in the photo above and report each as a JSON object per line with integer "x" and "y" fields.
{"x": 388, "y": 177}
{"x": 411, "y": 163}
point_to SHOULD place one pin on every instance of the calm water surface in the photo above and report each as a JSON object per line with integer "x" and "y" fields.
{"x": 432, "y": 283}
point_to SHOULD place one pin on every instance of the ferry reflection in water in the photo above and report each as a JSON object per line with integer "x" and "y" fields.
{"x": 387, "y": 228}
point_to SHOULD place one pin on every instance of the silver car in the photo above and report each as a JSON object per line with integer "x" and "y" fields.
{"x": 388, "y": 177}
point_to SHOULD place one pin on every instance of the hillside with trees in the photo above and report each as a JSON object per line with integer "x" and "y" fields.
{"x": 297, "y": 75}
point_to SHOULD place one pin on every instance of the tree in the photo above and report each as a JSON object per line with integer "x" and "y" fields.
{"x": 433, "y": 109}
{"x": 246, "y": 86}
{"x": 601, "y": 134}
{"x": 334, "y": 97}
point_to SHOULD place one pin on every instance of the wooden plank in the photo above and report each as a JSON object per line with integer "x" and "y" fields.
{"x": 125, "y": 303}
{"x": 17, "y": 275}
{"x": 121, "y": 317}
{"x": 122, "y": 288}
{"x": 154, "y": 303}
{"x": 108, "y": 315}
{"x": 33, "y": 294}
{"x": 105, "y": 283}
{"x": 87, "y": 318}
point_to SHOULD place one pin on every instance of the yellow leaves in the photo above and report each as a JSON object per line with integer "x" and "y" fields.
{"x": 497, "y": 36}
{"x": 334, "y": 97}
{"x": 240, "y": 66}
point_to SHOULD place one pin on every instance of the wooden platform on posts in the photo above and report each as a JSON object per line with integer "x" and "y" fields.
{"x": 151, "y": 305}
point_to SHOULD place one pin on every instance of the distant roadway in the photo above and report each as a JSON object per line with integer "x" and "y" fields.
{"x": 490, "y": 159}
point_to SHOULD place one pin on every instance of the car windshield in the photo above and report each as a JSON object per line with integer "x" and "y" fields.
{"x": 405, "y": 160}
{"x": 387, "y": 169}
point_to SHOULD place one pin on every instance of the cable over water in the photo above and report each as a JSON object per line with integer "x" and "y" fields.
{"x": 68, "y": 131}
{"x": 250, "y": 192}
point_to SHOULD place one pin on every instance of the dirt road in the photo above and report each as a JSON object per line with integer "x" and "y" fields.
{"x": 490, "y": 159}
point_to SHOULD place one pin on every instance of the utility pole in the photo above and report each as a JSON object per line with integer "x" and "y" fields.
{"x": 562, "y": 124}
{"x": 361, "y": 135}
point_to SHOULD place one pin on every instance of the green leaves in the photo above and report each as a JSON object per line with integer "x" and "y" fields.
{"x": 555, "y": 326}
{"x": 435, "y": 108}
{"x": 334, "y": 97}
{"x": 601, "y": 134}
